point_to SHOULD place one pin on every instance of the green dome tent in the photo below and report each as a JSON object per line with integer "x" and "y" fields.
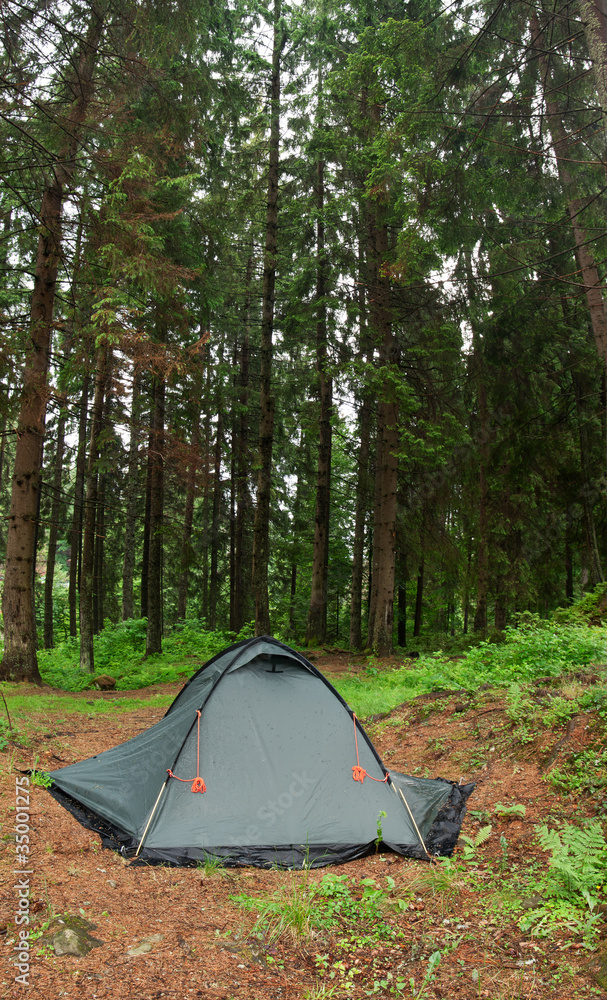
{"x": 258, "y": 761}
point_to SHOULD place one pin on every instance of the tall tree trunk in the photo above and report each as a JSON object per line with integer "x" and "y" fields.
{"x": 130, "y": 522}
{"x": 568, "y": 561}
{"x": 2, "y": 452}
{"x": 261, "y": 530}
{"x": 155, "y": 607}
{"x": 145, "y": 555}
{"x": 589, "y": 274}
{"x": 594, "y": 19}
{"x": 317, "y": 614}
{"x": 190, "y": 495}
{"x": 77, "y": 512}
{"x": 217, "y": 496}
{"x": 362, "y": 476}
{"x": 87, "y": 658}
{"x": 19, "y": 661}
{"x": 483, "y": 444}
{"x": 56, "y": 507}
{"x": 99, "y": 557}
{"x": 233, "y": 486}
{"x": 381, "y": 617}
{"x": 242, "y": 545}
{"x": 206, "y": 498}
{"x": 215, "y": 523}
{"x": 402, "y": 601}
{"x": 419, "y": 599}
{"x": 596, "y": 567}
{"x": 298, "y": 527}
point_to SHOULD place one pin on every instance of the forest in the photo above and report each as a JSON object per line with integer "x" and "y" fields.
{"x": 303, "y": 326}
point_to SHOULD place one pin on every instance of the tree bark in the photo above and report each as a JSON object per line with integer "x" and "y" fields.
{"x": 591, "y": 281}
{"x": 156, "y": 469}
{"x": 128, "y": 562}
{"x": 594, "y": 19}
{"x": 483, "y": 443}
{"x": 77, "y": 514}
{"x": 99, "y": 556}
{"x": 381, "y": 617}
{"x": 56, "y": 506}
{"x": 145, "y": 555}
{"x": 365, "y": 414}
{"x": 402, "y": 602}
{"x": 242, "y": 542}
{"x": 261, "y": 530}
{"x": 19, "y": 660}
{"x": 217, "y": 497}
{"x": 87, "y": 656}
{"x": 298, "y": 527}
{"x": 190, "y": 496}
{"x": 419, "y": 598}
{"x": 316, "y": 630}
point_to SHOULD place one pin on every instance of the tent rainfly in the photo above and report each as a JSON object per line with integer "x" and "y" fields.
{"x": 258, "y": 761}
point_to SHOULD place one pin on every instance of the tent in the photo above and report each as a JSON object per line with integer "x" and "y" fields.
{"x": 258, "y": 761}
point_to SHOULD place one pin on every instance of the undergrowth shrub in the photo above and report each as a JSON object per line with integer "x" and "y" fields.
{"x": 120, "y": 651}
{"x": 584, "y": 771}
{"x": 302, "y": 909}
{"x": 535, "y": 649}
{"x": 573, "y": 887}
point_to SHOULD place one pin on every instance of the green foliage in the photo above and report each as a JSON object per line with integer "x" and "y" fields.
{"x": 583, "y": 771}
{"x": 534, "y": 650}
{"x": 584, "y": 610}
{"x": 211, "y": 865}
{"x": 41, "y": 779}
{"x": 380, "y": 831}
{"x": 120, "y": 652}
{"x": 517, "y": 809}
{"x": 471, "y": 844}
{"x": 302, "y": 907}
{"x": 574, "y": 885}
{"x": 429, "y": 977}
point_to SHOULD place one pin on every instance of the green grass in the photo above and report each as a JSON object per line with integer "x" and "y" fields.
{"x": 537, "y": 649}
{"x": 23, "y": 706}
{"x": 361, "y": 910}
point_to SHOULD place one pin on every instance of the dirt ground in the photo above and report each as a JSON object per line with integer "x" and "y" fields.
{"x": 197, "y": 937}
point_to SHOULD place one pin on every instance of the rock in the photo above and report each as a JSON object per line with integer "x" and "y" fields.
{"x": 69, "y": 941}
{"x": 139, "y": 949}
{"x": 532, "y": 902}
{"x": 596, "y": 968}
{"x": 144, "y": 946}
{"x": 104, "y": 682}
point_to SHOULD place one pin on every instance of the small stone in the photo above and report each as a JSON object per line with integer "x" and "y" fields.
{"x": 596, "y": 968}
{"x": 139, "y": 949}
{"x": 144, "y": 946}
{"x": 112, "y": 883}
{"x": 71, "y": 942}
{"x": 532, "y": 902}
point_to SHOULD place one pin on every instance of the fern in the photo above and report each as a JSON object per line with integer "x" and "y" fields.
{"x": 472, "y": 843}
{"x": 515, "y": 810}
{"x": 579, "y": 858}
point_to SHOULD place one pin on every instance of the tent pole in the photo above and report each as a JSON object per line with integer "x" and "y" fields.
{"x": 421, "y": 839}
{"x": 147, "y": 827}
